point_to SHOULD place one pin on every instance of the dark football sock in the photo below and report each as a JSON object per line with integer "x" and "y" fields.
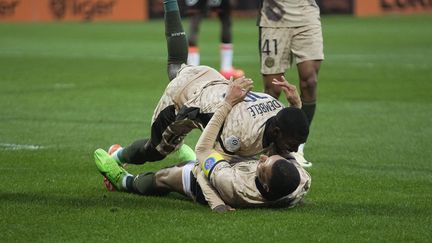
{"x": 145, "y": 184}
{"x": 170, "y": 5}
{"x": 134, "y": 153}
{"x": 129, "y": 183}
{"x": 309, "y": 109}
{"x": 174, "y": 33}
{"x": 225, "y": 17}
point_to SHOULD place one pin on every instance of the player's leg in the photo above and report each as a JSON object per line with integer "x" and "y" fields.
{"x": 175, "y": 37}
{"x": 307, "y": 47}
{"x": 160, "y": 183}
{"x": 111, "y": 170}
{"x": 171, "y": 178}
{"x": 193, "y": 49}
{"x": 308, "y": 75}
{"x": 175, "y": 178}
{"x": 227, "y": 48}
{"x": 145, "y": 150}
{"x": 149, "y": 183}
{"x": 167, "y": 135}
{"x": 197, "y": 10}
{"x": 185, "y": 153}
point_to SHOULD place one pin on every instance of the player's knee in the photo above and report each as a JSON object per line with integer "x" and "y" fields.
{"x": 309, "y": 82}
{"x": 308, "y": 89}
{"x": 162, "y": 176}
{"x": 166, "y": 179}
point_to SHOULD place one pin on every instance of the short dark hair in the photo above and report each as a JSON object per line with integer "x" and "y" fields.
{"x": 293, "y": 123}
{"x": 284, "y": 180}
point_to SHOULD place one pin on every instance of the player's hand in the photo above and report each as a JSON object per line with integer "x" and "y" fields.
{"x": 290, "y": 91}
{"x": 237, "y": 90}
{"x": 223, "y": 208}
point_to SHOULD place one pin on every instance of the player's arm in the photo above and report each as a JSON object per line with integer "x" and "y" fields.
{"x": 236, "y": 92}
{"x": 203, "y": 150}
{"x": 210, "y": 194}
{"x": 175, "y": 37}
{"x": 220, "y": 175}
{"x": 290, "y": 91}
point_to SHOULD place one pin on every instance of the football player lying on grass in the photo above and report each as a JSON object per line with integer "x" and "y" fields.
{"x": 260, "y": 123}
{"x": 212, "y": 179}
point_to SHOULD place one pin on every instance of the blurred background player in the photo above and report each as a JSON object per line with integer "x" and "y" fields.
{"x": 197, "y": 10}
{"x": 291, "y": 30}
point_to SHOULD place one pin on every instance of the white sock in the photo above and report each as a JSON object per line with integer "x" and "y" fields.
{"x": 226, "y": 52}
{"x": 115, "y": 155}
{"x": 301, "y": 148}
{"x": 193, "y": 56}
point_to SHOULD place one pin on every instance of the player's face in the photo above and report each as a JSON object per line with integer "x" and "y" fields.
{"x": 264, "y": 168}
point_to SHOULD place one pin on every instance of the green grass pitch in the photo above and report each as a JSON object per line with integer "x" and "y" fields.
{"x": 67, "y": 89}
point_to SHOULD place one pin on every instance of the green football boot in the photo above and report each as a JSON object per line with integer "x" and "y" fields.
{"x": 109, "y": 168}
{"x": 184, "y": 153}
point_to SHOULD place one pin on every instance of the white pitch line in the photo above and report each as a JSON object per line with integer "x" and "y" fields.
{"x": 64, "y": 85}
{"x": 11, "y": 146}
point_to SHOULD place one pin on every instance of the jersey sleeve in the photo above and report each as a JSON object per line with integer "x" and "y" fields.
{"x": 218, "y": 172}
{"x": 207, "y": 139}
{"x": 223, "y": 179}
{"x": 210, "y": 194}
{"x": 204, "y": 175}
{"x": 207, "y": 159}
